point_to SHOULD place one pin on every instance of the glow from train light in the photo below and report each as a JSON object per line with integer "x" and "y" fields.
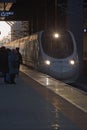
{"x": 56, "y": 35}
{"x": 47, "y": 81}
{"x": 72, "y": 62}
{"x": 47, "y": 62}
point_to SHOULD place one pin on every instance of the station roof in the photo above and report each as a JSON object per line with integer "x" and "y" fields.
{"x": 25, "y": 9}
{"x": 5, "y": 6}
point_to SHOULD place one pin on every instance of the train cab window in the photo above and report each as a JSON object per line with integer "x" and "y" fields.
{"x": 60, "y": 47}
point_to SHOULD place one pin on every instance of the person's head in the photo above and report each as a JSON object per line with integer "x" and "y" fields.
{"x": 3, "y": 48}
{"x": 14, "y": 51}
{"x": 8, "y": 49}
{"x": 17, "y": 48}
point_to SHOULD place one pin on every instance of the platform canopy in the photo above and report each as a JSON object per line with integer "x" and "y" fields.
{"x": 5, "y": 6}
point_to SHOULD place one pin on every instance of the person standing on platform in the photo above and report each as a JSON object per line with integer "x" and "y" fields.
{"x": 13, "y": 65}
{"x": 3, "y": 62}
{"x": 19, "y": 58}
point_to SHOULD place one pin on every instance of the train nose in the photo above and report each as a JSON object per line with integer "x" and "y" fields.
{"x": 63, "y": 70}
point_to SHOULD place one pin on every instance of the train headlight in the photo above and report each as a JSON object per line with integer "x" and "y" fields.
{"x": 47, "y": 62}
{"x": 56, "y": 35}
{"x": 72, "y": 62}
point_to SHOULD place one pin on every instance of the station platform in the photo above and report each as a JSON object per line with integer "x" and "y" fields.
{"x": 39, "y": 102}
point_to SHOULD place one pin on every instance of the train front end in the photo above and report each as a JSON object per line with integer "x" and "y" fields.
{"x": 59, "y": 56}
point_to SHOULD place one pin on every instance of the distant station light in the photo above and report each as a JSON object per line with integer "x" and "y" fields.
{"x": 85, "y": 30}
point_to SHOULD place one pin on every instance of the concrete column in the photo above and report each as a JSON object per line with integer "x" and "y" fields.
{"x": 75, "y": 24}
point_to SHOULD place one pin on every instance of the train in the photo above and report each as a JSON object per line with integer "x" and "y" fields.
{"x": 52, "y": 53}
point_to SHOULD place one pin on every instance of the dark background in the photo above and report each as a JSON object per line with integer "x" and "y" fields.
{"x": 41, "y": 13}
{"x": 24, "y": 10}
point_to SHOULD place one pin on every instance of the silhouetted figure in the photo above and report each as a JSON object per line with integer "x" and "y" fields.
{"x": 13, "y": 65}
{"x": 19, "y": 58}
{"x": 4, "y": 61}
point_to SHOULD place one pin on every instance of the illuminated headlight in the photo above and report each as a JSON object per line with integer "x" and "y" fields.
{"x": 72, "y": 62}
{"x": 56, "y": 35}
{"x": 47, "y": 62}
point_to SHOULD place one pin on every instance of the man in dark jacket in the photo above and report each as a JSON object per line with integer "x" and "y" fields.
{"x": 3, "y": 61}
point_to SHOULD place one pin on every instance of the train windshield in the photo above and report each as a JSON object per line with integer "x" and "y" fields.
{"x": 57, "y": 47}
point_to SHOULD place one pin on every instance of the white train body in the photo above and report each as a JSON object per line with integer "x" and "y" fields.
{"x": 54, "y": 55}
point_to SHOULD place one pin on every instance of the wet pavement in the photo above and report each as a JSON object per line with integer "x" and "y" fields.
{"x": 23, "y": 108}
{"x": 81, "y": 83}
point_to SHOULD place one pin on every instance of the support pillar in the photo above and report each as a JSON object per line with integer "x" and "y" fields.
{"x": 75, "y": 24}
